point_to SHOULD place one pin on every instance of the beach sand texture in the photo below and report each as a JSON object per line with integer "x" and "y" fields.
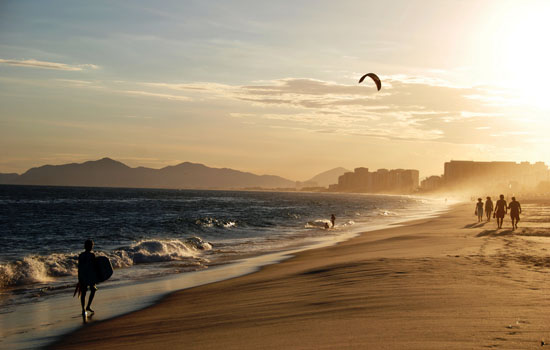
{"x": 440, "y": 283}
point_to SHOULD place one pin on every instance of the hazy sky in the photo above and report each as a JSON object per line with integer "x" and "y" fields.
{"x": 271, "y": 86}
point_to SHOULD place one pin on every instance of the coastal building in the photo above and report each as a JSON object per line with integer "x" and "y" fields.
{"x": 380, "y": 181}
{"x": 511, "y": 175}
{"x": 431, "y": 183}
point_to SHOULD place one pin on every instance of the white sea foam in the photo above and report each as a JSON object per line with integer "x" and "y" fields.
{"x": 208, "y": 222}
{"x": 43, "y": 269}
{"x": 36, "y": 269}
{"x": 166, "y": 250}
{"x": 347, "y": 223}
{"x": 319, "y": 223}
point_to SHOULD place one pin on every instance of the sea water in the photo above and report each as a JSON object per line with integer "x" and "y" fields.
{"x": 158, "y": 241}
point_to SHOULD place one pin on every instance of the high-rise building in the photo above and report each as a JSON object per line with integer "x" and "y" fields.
{"x": 494, "y": 174}
{"x": 431, "y": 183}
{"x": 381, "y": 181}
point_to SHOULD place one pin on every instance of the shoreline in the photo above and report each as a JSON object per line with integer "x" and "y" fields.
{"x": 429, "y": 284}
{"x": 254, "y": 265}
{"x": 23, "y": 328}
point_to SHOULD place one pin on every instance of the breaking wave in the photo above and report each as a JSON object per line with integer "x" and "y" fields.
{"x": 319, "y": 223}
{"x": 148, "y": 251}
{"x": 208, "y": 222}
{"x": 44, "y": 269}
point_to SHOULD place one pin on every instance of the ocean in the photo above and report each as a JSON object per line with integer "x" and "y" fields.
{"x": 154, "y": 236}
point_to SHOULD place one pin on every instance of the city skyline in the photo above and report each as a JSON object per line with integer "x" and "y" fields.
{"x": 457, "y": 175}
{"x": 260, "y": 88}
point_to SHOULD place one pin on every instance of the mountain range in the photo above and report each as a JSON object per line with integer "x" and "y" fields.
{"x": 107, "y": 172}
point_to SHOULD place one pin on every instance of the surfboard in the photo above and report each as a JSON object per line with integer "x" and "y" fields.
{"x": 103, "y": 269}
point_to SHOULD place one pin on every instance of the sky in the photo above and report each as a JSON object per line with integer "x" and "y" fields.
{"x": 272, "y": 87}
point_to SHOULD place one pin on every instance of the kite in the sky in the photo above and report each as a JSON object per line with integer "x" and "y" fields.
{"x": 373, "y": 77}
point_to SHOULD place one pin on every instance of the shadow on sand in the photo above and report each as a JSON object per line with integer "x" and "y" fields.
{"x": 476, "y": 225}
{"x": 495, "y": 233}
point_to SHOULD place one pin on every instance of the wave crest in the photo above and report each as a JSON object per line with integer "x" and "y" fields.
{"x": 319, "y": 223}
{"x": 42, "y": 269}
{"x": 208, "y": 222}
{"x": 166, "y": 250}
{"x": 37, "y": 269}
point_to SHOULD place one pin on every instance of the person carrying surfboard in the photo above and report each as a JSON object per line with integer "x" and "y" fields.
{"x": 87, "y": 275}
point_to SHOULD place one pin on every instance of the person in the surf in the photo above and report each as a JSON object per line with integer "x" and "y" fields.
{"x": 500, "y": 210}
{"x": 86, "y": 275}
{"x": 479, "y": 210}
{"x": 515, "y": 210}
{"x": 332, "y": 220}
{"x": 488, "y": 208}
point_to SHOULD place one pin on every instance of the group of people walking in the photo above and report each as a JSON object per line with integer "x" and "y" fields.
{"x": 499, "y": 210}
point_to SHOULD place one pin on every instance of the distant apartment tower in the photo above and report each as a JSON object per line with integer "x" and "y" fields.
{"x": 381, "y": 181}
{"x": 431, "y": 183}
{"x": 520, "y": 175}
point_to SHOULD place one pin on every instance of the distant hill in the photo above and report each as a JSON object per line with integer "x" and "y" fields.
{"x": 8, "y": 178}
{"x": 328, "y": 177}
{"x": 107, "y": 172}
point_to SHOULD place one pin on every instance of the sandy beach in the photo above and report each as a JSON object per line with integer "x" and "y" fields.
{"x": 274, "y": 175}
{"x": 440, "y": 283}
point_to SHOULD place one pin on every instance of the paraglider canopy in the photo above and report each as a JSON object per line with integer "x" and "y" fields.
{"x": 374, "y": 77}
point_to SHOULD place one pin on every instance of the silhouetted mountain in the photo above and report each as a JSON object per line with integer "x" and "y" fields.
{"x": 110, "y": 173}
{"x": 328, "y": 177}
{"x": 8, "y": 178}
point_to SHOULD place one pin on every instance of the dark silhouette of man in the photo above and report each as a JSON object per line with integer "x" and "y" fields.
{"x": 515, "y": 210}
{"x": 332, "y": 220}
{"x": 500, "y": 210}
{"x": 489, "y": 208}
{"x": 86, "y": 275}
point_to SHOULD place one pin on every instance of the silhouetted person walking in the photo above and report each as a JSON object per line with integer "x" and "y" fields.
{"x": 86, "y": 275}
{"x": 332, "y": 220}
{"x": 515, "y": 210}
{"x": 479, "y": 210}
{"x": 489, "y": 208}
{"x": 500, "y": 210}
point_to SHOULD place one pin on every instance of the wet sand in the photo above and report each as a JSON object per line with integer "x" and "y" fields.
{"x": 441, "y": 283}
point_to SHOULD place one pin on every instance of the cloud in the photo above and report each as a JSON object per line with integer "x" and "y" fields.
{"x": 467, "y": 114}
{"x": 76, "y": 81}
{"x": 32, "y": 63}
{"x": 397, "y": 127}
{"x": 122, "y": 87}
{"x": 158, "y": 95}
{"x": 399, "y": 93}
{"x": 198, "y": 86}
{"x": 79, "y": 83}
{"x": 407, "y": 108}
{"x": 89, "y": 65}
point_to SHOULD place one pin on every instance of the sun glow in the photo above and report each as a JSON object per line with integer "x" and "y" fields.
{"x": 521, "y": 54}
